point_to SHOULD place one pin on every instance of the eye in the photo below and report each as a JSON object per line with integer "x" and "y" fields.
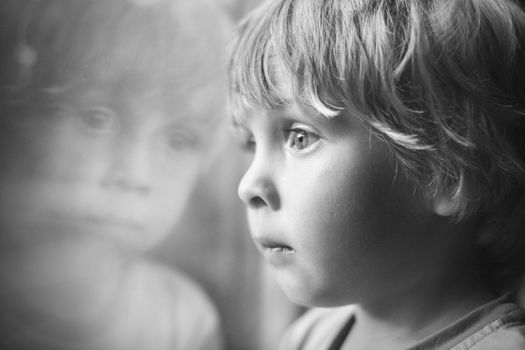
{"x": 299, "y": 139}
{"x": 56, "y": 115}
{"x": 99, "y": 120}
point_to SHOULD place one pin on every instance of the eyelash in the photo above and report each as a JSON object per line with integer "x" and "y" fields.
{"x": 308, "y": 139}
{"x": 299, "y": 139}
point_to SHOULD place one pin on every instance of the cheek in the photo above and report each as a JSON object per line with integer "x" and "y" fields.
{"x": 61, "y": 155}
{"x": 369, "y": 207}
{"x": 339, "y": 197}
{"x": 355, "y": 224}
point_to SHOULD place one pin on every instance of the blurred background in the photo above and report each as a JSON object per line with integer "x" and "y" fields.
{"x": 212, "y": 244}
{"x": 76, "y": 149}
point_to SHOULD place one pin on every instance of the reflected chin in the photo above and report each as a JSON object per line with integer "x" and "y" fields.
{"x": 122, "y": 232}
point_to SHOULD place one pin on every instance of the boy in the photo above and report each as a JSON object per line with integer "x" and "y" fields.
{"x": 107, "y": 108}
{"x": 388, "y": 171}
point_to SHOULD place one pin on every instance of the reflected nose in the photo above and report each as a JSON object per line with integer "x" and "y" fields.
{"x": 257, "y": 187}
{"x": 128, "y": 167}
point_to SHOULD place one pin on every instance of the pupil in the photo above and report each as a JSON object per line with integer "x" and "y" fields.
{"x": 95, "y": 120}
{"x": 300, "y": 139}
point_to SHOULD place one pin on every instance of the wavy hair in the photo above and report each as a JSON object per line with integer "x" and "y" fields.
{"x": 48, "y": 45}
{"x": 442, "y": 82}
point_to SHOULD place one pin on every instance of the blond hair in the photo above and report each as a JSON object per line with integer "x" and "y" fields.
{"x": 136, "y": 45}
{"x": 442, "y": 82}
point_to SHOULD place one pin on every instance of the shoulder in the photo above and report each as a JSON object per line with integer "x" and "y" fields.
{"x": 505, "y": 333}
{"x": 180, "y": 291}
{"x": 192, "y": 313}
{"x": 172, "y": 284}
{"x": 512, "y": 338}
{"x": 499, "y": 324}
{"x": 317, "y": 328}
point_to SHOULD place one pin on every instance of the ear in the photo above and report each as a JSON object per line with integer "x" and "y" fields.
{"x": 445, "y": 204}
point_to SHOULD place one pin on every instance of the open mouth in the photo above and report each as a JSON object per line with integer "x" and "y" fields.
{"x": 275, "y": 250}
{"x": 274, "y": 246}
{"x": 278, "y": 254}
{"x": 284, "y": 249}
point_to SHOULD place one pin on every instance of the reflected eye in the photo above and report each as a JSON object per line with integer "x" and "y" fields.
{"x": 99, "y": 120}
{"x": 57, "y": 115}
{"x": 180, "y": 140}
{"x": 299, "y": 139}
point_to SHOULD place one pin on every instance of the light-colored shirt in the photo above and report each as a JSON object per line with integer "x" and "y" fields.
{"x": 499, "y": 324}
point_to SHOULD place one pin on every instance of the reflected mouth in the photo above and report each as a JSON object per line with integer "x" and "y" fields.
{"x": 112, "y": 222}
{"x": 98, "y": 223}
{"x": 86, "y": 222}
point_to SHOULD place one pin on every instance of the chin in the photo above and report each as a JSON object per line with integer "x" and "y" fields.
{"x": 313, "y": 296}
{"x": 300, "y": 294}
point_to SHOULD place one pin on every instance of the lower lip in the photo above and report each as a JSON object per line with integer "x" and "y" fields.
{"x": 278, "y": 256}
{"x": 114, "y": 225}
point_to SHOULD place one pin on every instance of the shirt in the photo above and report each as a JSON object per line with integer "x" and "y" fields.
{"x": 499, "y": 324}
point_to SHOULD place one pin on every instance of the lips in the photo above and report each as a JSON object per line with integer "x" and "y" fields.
{"x": 276, "y": 252}
{"x": 279, "y": 248}
{"x": 273, "y": 245}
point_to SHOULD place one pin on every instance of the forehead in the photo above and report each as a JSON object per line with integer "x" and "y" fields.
{"x": 255, "y": 94}
{"x": 281, "y": 80}
{"x": 156, "y": 41}
{"x": 275, "y": 86}
{"x": 166, "y": 51}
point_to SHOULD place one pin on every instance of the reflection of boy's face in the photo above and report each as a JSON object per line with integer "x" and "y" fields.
{"x": 115, "y": 165}
{"x": 328, "y": 209}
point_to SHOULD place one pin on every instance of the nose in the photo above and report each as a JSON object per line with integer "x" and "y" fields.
{"x": 128, "y": 167}
{"x": 257, "y": 187}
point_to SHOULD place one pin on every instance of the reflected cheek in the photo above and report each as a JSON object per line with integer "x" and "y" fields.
{"x": 171, "y": 192}
{"x": 71, "y": 162}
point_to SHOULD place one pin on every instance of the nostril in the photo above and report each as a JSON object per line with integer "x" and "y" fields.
{"x": 256, "y": 202}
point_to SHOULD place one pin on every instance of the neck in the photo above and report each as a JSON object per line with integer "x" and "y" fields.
{"x": 404, "y": 322}
{"x": 436, "y": 297}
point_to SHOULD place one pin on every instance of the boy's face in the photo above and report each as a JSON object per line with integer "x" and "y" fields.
{"x": 328, "y": 209}
{"x": 105, "y": 163}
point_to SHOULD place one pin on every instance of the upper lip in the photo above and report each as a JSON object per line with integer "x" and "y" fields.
{"x": 270, "y": 241}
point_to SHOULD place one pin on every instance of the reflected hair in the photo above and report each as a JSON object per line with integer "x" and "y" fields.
{"x": 441, "y": 82}
{"x": 50, "y": 45}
